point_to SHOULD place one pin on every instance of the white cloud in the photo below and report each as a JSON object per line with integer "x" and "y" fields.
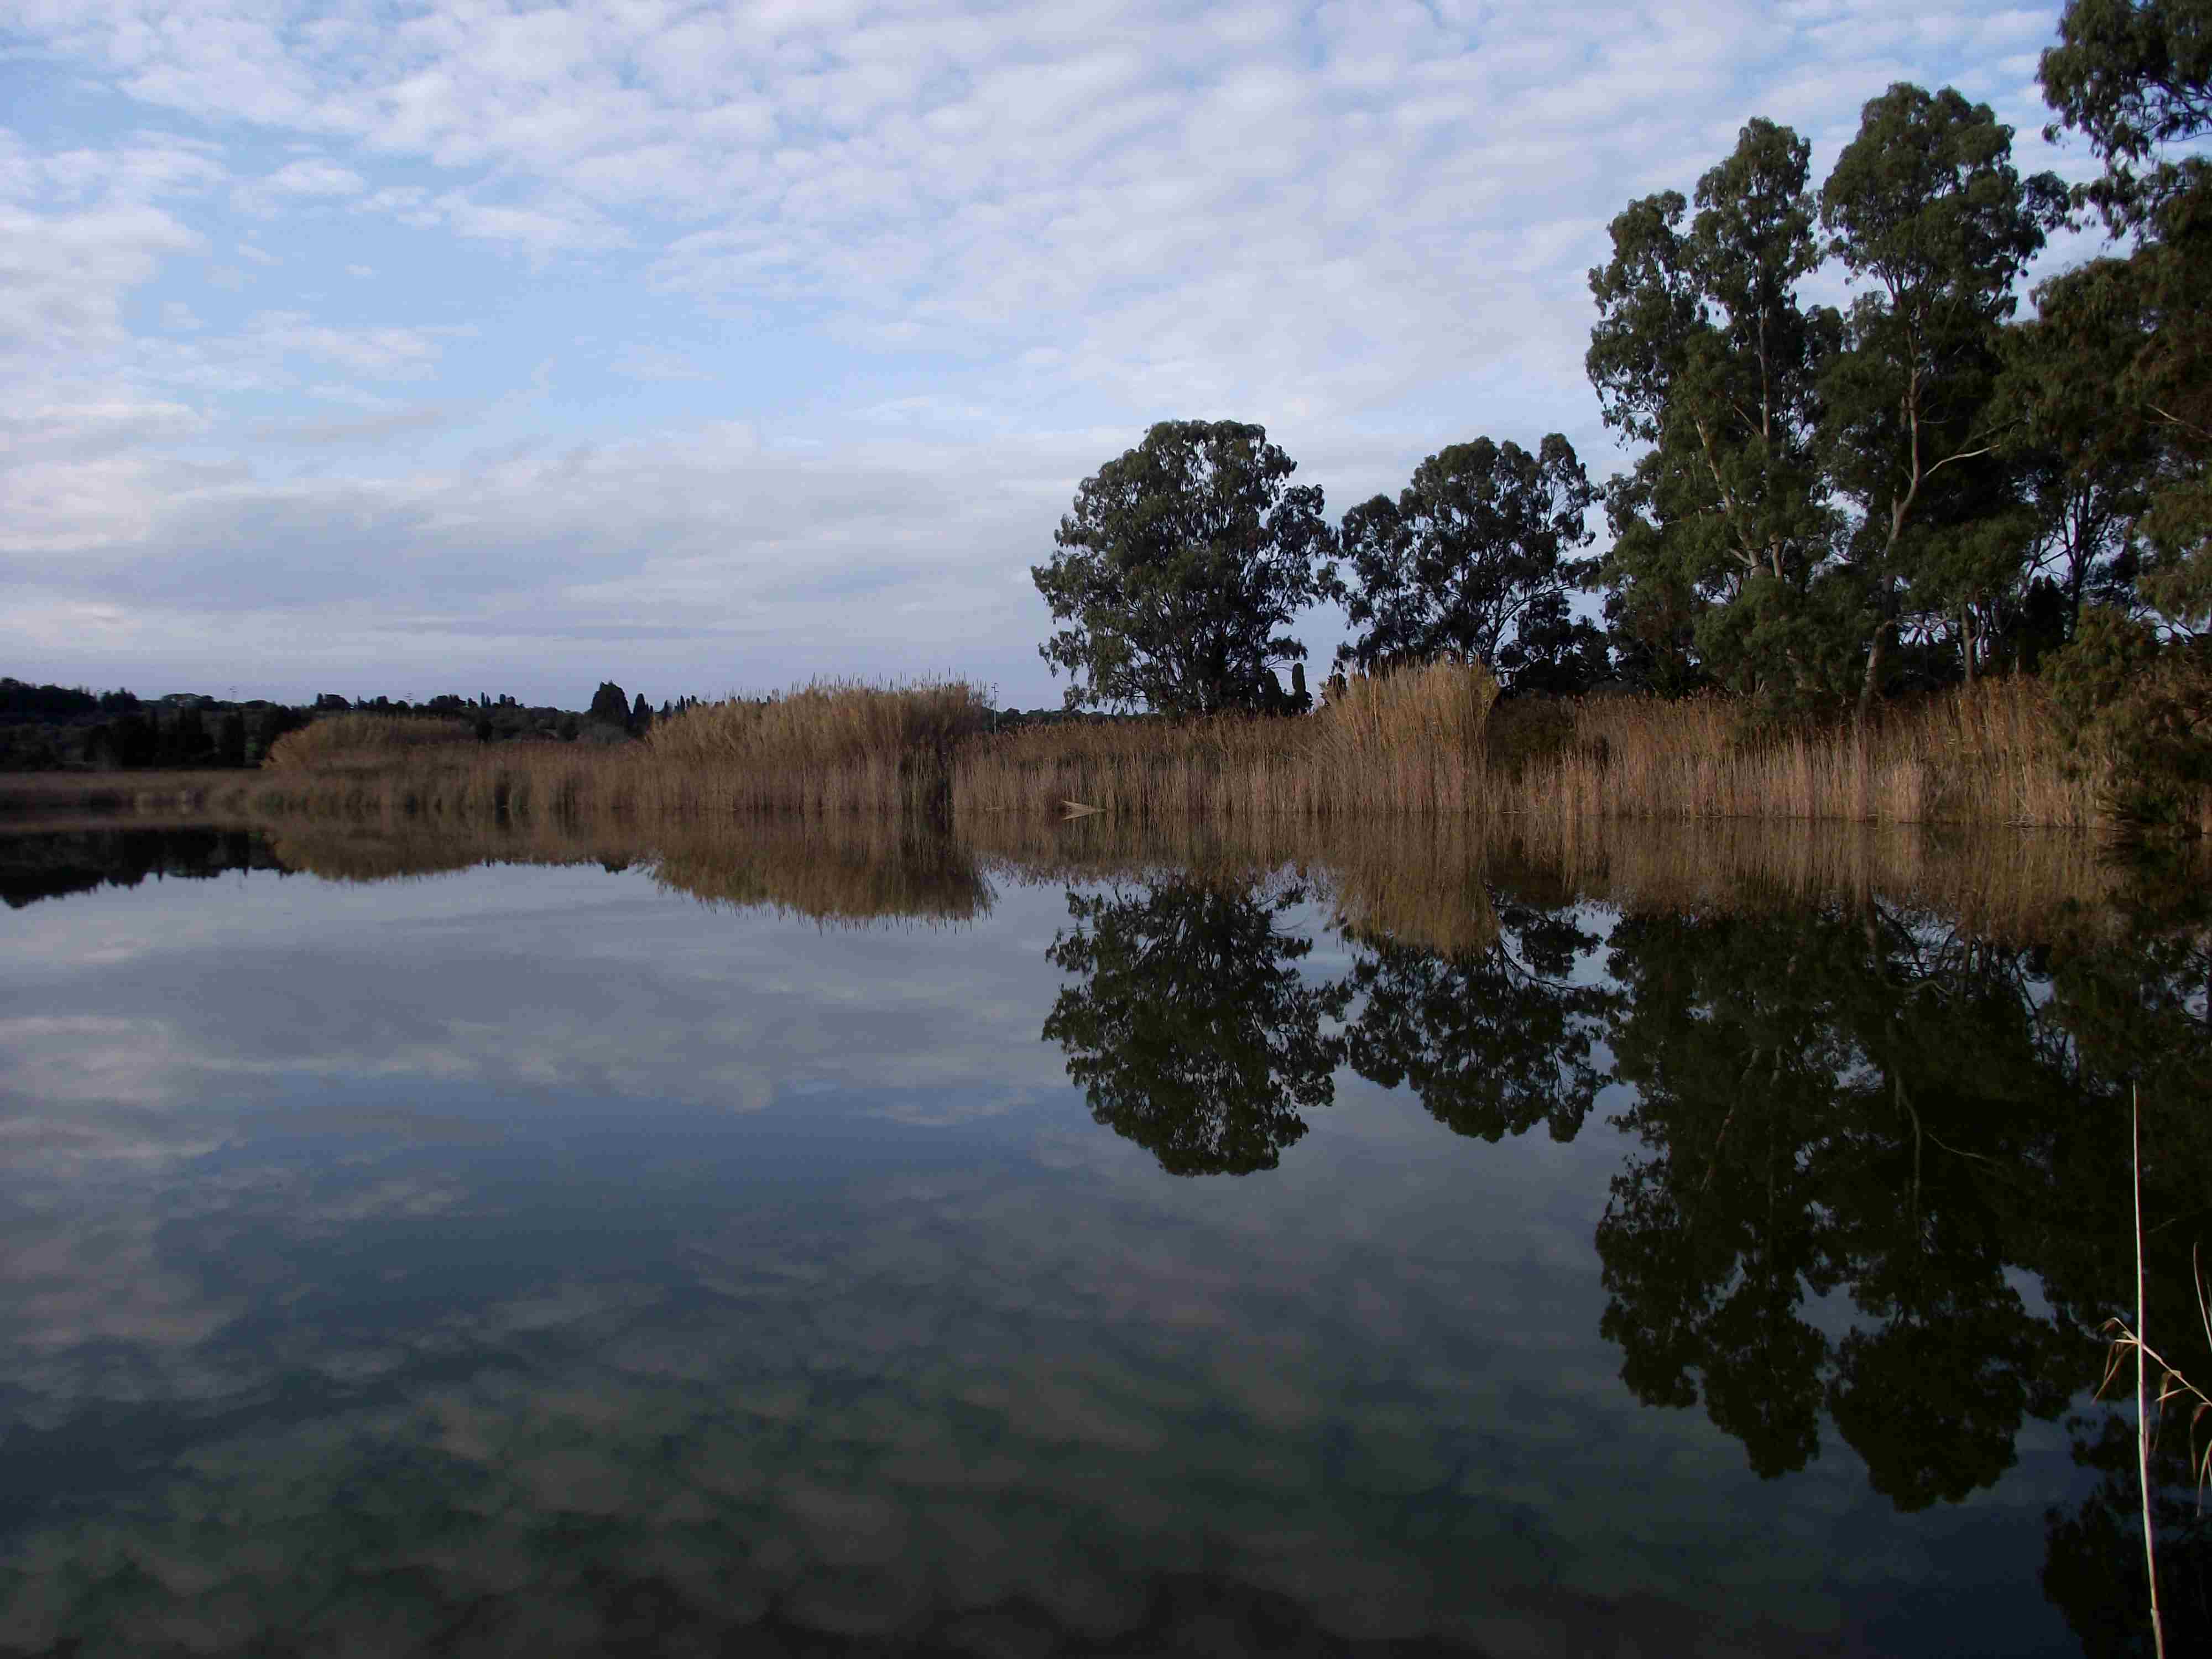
{"x": 312, "y": 177}
{"x": 1341, "y": 221}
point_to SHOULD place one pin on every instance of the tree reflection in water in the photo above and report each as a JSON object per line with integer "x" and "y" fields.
{"x": 1493, "y": 1040}
{"x": 1190, "y": 1028}
{"x": 1864, "y": 1139}
{"x": 1876, "y": 1177}
{"x": 1831, "y": 1102}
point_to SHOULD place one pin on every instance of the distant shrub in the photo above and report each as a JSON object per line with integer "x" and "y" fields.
{"x": 361, "y": 740}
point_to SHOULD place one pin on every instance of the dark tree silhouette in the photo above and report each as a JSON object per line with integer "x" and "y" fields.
{"x": 610, "y": 704}
{"x": 1190, "y": 1028}
{"x": 1494, "y": 1040}
{"x": 1838, "y": 1101}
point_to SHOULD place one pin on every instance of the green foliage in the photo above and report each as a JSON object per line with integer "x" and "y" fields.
{"x": 1470, "y": 561}
{"x": 1926, "y": 210}
{"x": 2133, "y": 76}
{"x": 2084, "y": 456}
{"x": 1178, "y": 567}
{"x": 1704, "y": 352}
{"x": 2137, "y": 711}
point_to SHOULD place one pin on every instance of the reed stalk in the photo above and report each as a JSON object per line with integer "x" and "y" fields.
{"x": 2172, "y": 1384}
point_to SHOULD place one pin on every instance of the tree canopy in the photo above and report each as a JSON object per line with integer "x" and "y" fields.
{"x": 1178, "y": 567}
{"x": 1471, "y": 561}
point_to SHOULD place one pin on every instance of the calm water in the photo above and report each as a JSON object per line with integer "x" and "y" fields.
{"x": 888, "y": 1247}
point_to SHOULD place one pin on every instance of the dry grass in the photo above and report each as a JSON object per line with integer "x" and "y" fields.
{"x": 1430, "y": 742}
{"x": 829, "y": 749}
{"x": 358, "y": 741}
{"x": 1406, "y": 743}
{"x": 833, "y": 746}
{"x": 1986, "y": 754}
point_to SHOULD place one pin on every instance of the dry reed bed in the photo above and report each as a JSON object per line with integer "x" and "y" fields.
{"x": 833, "y": 748}
{"x": 1424, "y": 743}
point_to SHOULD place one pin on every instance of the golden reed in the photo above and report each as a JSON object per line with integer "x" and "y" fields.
{"x": 1433, "y": 742}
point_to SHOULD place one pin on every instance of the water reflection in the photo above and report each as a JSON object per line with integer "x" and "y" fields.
{"x": 1189, "y": 1026}
{"x": 1839, "y": 1162}
{"x": 1495, "y": 1039}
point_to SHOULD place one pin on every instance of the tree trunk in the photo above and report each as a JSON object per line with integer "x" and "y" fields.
{"x": 1873, "y": 671}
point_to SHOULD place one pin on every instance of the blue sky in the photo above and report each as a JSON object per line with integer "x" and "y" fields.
{"x": 399, "y": 349}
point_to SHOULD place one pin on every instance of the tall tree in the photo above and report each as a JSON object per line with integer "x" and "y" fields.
{"x": 2135, "y": 79}
{"x": 1926, "y": 210}
{"x": 1178, "y": 567}
{"x": 1704, "y": 352}
{"x": 1473, "y": 559}
{"x": 2134, "y": 76}
{"x": 610, "y": 704}
{"x": 2086, "y": 461}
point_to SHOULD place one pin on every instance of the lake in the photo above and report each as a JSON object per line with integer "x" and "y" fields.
{"x": 812, "y": 1242}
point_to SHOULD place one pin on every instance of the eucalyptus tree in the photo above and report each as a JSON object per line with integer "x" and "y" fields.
{"x": 1473, "y": 561}
{"x": 2086, "y": 462}
{"x": 1179, "y": 567}
{"x": 2135, "y": 688}
{"x": 2135, "y": 80}
{"x": 1704, "y": 352}
{"x": 1925, "y": 209}
{"x": 2135, "y": 76}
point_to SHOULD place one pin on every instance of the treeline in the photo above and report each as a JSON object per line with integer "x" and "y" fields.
{"x": 1827, "y": 506}
{"x": 64, "y": 728}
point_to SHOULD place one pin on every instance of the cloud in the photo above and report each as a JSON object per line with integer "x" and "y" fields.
{"x": 1366, "y": 226}
{"x": 379, "y": 353}
{"x": 311, "y": 178}
{"x": 369, "y": 429}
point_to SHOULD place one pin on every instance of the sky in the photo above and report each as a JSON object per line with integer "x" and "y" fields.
{"x": 708, "y": 347}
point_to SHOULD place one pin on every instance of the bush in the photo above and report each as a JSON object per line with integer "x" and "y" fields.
{"x": 2137, "y": 712}
{"x": 360, "y": 740}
